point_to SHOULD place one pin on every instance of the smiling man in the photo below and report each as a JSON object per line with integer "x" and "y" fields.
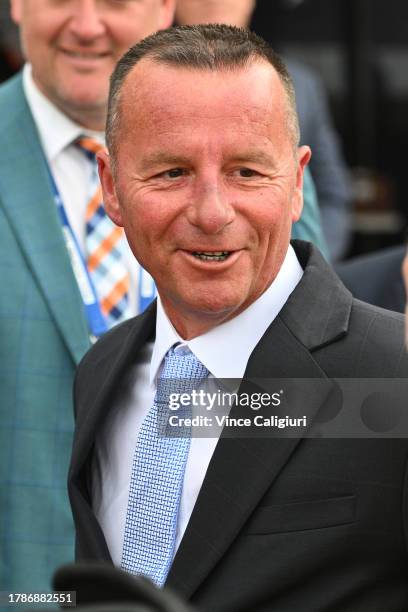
{"x": 67, "y": 272}
{"x": 204, "y": 173}
{"x": 189, "y": 195}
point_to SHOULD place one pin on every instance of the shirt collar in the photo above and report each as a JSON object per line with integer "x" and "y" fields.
{"x": 225, "y": 349}
{"x": 56, "y": 130}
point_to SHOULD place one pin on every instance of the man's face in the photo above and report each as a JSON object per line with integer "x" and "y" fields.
{"x": 73, "y": 46}
{"x": 207, "y": 186}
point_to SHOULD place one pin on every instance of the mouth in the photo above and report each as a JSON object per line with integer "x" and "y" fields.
{"x": 212, "y": 260}
{"x": 211, "y": 255}
{"x": 88, "y": 56}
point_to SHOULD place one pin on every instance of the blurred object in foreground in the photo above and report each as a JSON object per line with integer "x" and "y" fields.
{"x": 103, "y": 588}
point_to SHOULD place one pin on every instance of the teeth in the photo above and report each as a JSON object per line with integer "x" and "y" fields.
{"x": 216, "y": 253}
{"x": 211, "y": 256}
{"x": 85, "y": 55}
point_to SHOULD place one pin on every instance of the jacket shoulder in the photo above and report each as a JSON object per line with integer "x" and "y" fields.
{"x": 119, "y": 343}
{"x": 374, "y": 345}
{"x": 107, "y": 360}
{"x": 110, "y": 342}
{"x": 12, "y": 99}
{"x": 385, "y": 325}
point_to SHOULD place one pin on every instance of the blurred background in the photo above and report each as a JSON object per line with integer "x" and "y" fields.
{"x": 359, "y": 49}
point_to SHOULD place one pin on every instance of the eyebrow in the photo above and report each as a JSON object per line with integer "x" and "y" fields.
{"x": 162, "y": 158}
{"x": 257, "y": 156}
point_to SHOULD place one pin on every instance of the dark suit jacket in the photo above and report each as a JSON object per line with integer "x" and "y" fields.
{"x": 282, "y": 524}
{"x": 376, "y": 278}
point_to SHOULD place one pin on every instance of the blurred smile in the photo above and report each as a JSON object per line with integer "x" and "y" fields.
{"x": 84, "y": 58}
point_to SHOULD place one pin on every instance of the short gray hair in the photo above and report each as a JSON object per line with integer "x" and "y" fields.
{"x": 201, "y": 47}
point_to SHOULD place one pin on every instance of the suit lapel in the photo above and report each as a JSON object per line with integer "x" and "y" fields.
{"x": 30, "y": 208}
{"x": 110, "y": 369}
{"x": 117, "y": 352}
{"x": 242, "y": 470}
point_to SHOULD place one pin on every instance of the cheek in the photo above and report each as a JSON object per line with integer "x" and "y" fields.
{"x": 130, "y": 28}
{"x": 270, "y": 215}
{"x": 274, "y": 229}
{"x": 37, "y": 38}
{"x": 163, "y": 206}
{"x": 148, "y": 218}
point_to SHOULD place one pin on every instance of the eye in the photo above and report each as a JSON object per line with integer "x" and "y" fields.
{"x": 246, "y": 173}
{"x": 173, "y": 173}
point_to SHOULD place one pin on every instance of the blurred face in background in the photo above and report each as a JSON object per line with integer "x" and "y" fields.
{"x": 231, "y": 12}
{"x": 73, "y": 46}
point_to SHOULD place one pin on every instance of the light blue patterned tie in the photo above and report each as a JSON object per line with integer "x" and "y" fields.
{"x": 158, "y": 472}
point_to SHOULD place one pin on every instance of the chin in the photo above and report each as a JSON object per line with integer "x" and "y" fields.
{"x": 216, "y": 306}
{"x": 82, "y": 91}
{"x": 87, "y": 102}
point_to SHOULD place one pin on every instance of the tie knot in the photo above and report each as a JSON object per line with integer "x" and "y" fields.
{"x": 181, "y": 363}
{"x": 182, "y": 373}
{"x": 181, "y": 376}
{"x": 89, "y": 145}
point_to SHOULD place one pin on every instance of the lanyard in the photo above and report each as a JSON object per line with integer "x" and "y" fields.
{"x": 146, "y": 286}
{"x": 96, "y": 321}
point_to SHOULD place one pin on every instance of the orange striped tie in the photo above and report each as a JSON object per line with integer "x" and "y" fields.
{"x": 105, "y": 248}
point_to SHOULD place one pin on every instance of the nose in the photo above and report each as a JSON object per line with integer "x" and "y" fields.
{"x": 86, "y": 22}
{"x": 210, "y": 210}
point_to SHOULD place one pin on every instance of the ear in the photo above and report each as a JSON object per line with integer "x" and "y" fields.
{"x": 110, "y": 199}
{"x": 16, "y": 10}
{"x": 303, "y": 156}
{"x": 167, "y": 11}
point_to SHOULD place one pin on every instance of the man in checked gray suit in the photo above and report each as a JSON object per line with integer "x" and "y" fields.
{"x": 71, "y": 49}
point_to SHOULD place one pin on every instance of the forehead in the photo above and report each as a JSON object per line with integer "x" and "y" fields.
{"x": 157, "y": 94}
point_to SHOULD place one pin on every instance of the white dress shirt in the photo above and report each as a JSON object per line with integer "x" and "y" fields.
{"x": 71, "y": 168}
{"x": 225, "y": 351}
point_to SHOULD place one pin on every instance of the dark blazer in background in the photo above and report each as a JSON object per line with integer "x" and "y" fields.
{"x": 376, "y": 278}
{"x": 283, "y": 524}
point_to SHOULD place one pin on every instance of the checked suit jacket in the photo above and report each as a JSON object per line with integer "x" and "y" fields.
{"x": 43, "y": 335}
{"x": 286, "y": 523}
